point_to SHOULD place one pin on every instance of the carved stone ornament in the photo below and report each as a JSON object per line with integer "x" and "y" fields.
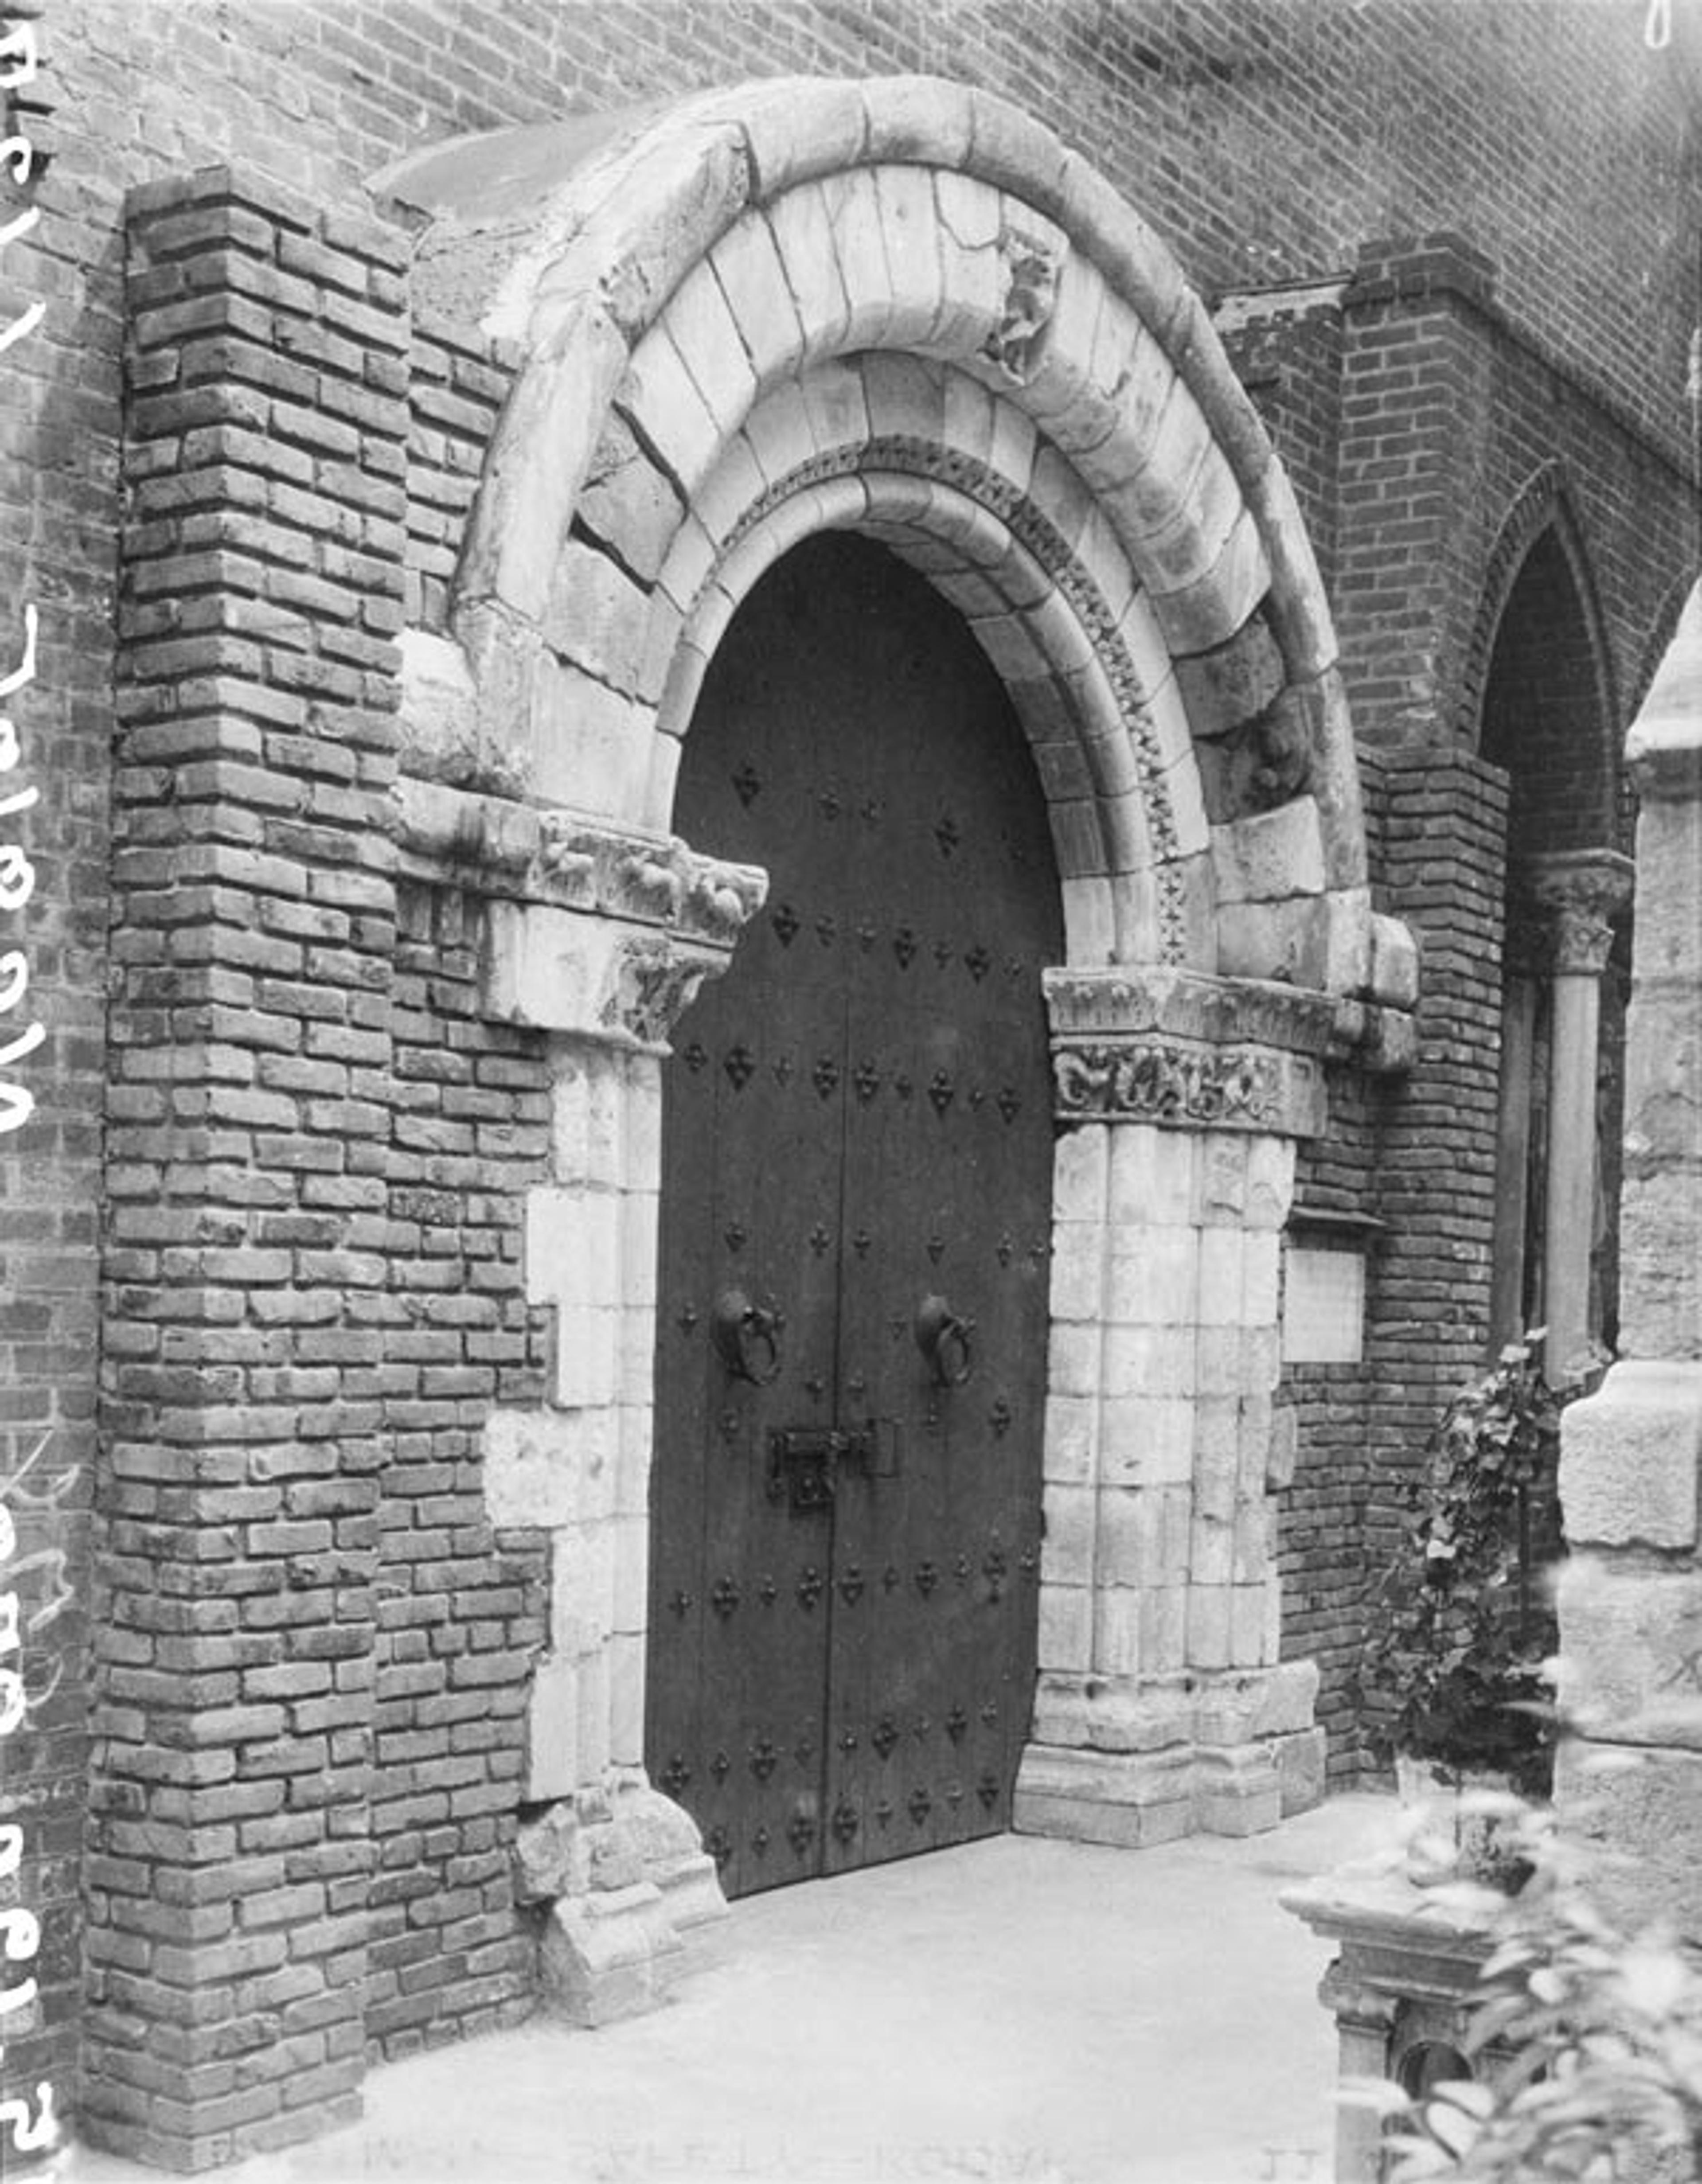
{"x": 1576, "y": 894}
{"x": 1202, "y": 1087}
{"x": 651, "y": 881}
{"x": 654, "y": 985}
{"x": 1031, "y": 269}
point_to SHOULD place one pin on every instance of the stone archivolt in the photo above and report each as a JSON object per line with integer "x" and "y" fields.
{"x": 687, "y": 288}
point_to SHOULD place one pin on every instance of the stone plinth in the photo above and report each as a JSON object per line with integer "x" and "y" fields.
{"x": 1401, "y": 1986}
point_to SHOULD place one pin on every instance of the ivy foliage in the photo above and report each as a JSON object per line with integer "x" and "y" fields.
{"x": 1461, "y": 1621}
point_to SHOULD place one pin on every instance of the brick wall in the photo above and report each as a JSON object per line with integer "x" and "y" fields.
{"x": 236, "y": 1544}
{"x": 461, "y": 1611}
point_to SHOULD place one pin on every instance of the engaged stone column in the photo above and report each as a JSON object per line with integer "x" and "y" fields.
{"x": 1631, "y": 1594}
{"x": 1161, "y": 1707}
{"x": 601, "y": 937}
{"x": 1580, "y": 891}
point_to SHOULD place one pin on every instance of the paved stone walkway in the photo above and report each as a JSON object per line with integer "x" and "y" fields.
{"x": 1020, "y": 2012}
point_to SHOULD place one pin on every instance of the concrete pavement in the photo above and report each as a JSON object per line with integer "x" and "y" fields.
{"x": 1046, "y": 2013}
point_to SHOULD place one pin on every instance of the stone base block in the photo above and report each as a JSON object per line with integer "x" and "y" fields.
{"x": 636, "y": 1900}
{"x": 609, "y": 1955}
{"x": 1241, "y": 1706}
{"x": 1236, "y": 1790}
{"x": 1302, "y": 1762}
{"x": 1132, "y": 1799}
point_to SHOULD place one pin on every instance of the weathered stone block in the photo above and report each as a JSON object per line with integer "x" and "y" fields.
{"x": 1113, "y": 1714}
{"x": 1079, "y": 1166}
{"x": 552, "y": 1769}
{"x": 1066, "y": 1627}
{"x": 1132, "y": 1798}
{"x": 1629, "y": 1457}
{"x": 1642, "y": 1812}
{"x": 1237, "y": 1790}
{"x": 1302, "y": 1761}
{"x": 1660, "y": 1270}
{"x": 534, "y": 1461}
{"x": 1630, "y": 1652}
{"x": 605, "y": 1955}
{"x": 1394, "y": 979}
{"x": 1147, "y": 1441}
{"x": 1269, "y": 855}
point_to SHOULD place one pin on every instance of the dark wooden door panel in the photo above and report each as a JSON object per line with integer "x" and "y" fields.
{"x": 856, "y": 1123}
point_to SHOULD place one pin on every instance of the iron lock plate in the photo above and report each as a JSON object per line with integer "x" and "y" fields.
{"x": 805, "y": 1461}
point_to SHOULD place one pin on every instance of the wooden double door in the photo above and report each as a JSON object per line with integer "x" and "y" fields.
{"x": 852, "y": 1293}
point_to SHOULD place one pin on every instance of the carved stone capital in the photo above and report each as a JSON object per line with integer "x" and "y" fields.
{"x": 1187, "y": 1085}
{"x": 1578, "y": 893}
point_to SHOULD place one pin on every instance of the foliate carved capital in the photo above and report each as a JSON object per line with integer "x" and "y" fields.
{"x": 1188, "y": 1086}
{"x": 1575, "y": 895}
{"x": 651, "y": 985}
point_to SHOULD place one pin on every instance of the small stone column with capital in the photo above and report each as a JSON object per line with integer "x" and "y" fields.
{"x": 1579, "y": 891}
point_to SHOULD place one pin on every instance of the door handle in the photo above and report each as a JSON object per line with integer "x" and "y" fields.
{"x": 746, "y": 1338}
{"x": 944, "y": 1339}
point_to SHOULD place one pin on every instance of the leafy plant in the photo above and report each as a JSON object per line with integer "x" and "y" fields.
{"x": 1461, "y": 1622}
{"x": 1587, "y": 2044}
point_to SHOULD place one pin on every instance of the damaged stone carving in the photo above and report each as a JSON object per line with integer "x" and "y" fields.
{"x": 651, "y": 882}
{"x": 1032, "y": 269}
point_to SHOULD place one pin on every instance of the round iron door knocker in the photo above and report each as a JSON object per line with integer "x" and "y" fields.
{"x": 944, "y": 1340}
{"x": 746, "y": 1338}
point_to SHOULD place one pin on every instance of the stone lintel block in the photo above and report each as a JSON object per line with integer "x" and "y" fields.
{"x": 1630, "y": 1652}
{"x": 1120, "y": 997}
{"x": 1113, "y": 1714}
{"x": 1237, "y": 1790}
{"x": 1269, "y": 855}
{"x": 1629, "y": 1457}
{"x": 1129, "y": 1798}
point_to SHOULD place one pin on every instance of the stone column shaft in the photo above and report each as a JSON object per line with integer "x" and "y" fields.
{"x": 1582, "y": 891}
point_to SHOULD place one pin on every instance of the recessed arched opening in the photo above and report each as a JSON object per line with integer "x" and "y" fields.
{"x": 781, "y": 314}
{"x": 851, "y": 1322}
{"x": 1546, "y": 711}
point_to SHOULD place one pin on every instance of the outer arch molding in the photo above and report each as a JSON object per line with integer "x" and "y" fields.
{"x": 701, "y": 261}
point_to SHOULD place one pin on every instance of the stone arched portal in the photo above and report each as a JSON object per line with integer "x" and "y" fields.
{"x": 901, "y": 307}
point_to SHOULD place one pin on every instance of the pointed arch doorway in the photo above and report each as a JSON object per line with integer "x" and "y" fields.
{"x": 852, "y": 1294}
